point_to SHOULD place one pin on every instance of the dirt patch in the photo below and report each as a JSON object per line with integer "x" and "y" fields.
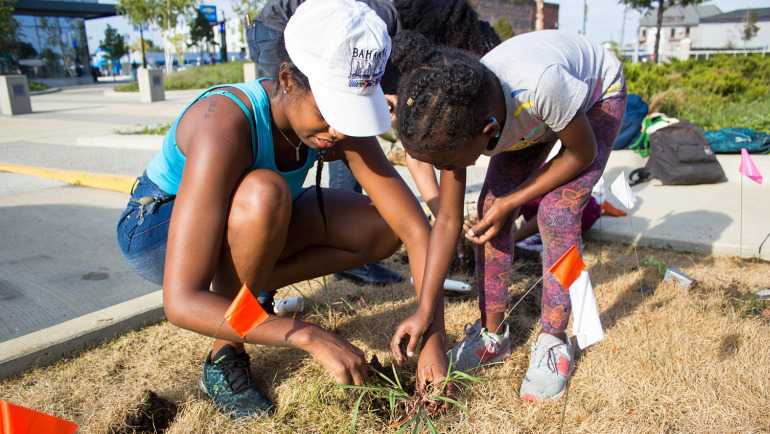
{"x": 154, "y": 414}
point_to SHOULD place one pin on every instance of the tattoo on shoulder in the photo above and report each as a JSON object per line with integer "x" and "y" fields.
{"x": 212, "y": 104}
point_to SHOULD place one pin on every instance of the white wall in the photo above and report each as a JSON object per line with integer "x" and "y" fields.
{"x": 719, "y": 35}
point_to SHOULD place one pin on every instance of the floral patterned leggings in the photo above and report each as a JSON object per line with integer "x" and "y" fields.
{"x": 558, "y": 217}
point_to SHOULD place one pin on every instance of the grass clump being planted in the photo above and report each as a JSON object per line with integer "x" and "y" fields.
{"x": 411, "y": 410}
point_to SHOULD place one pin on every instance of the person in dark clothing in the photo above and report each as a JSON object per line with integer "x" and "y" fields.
{"x": 262, "y": 36}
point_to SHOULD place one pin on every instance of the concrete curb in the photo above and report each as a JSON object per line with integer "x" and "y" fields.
{"x": 49, "y": 345}
{"x": 104, "y": 181}
{"x": 46, "y": 91}
{"x": 147, "y": 142}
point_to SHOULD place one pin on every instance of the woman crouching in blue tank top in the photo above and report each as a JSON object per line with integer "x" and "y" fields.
{"x": 223, "y": 204}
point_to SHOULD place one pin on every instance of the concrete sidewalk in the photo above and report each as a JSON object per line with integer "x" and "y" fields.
{"x": 64, "y": 285}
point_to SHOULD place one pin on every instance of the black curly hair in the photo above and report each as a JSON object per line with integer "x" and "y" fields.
{"x": 442, "y": 95}
{"x": 304, "y": 86}
{"x": 452, "y": 23}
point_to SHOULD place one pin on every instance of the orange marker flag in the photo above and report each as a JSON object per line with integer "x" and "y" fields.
{"x": 245, "y": 312}
{"x": 15, "y": 419}
{"x": 568, "y": 268}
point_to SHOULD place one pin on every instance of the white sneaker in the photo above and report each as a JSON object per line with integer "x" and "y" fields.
{"x": 550, "y": 367}
{"x": 531, "y": 243}
{"x": 479, "y": 347}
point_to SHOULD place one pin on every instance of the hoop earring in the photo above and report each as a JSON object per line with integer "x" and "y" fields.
{"x": 492, "y": 119}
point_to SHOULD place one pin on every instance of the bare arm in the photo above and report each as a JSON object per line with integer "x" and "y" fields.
{"x": 214, "y": 136}
{"x": 443, "y": 239}
{"x": 425, "y": 179}
{"x": 210, "y": 135}
{"x": 579, "y": 151}
{"x": 400, "y": 209}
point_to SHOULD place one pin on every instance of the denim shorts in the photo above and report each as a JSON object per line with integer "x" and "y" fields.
{"x": 143, "y": 230}
{"x": 263, "y": 49}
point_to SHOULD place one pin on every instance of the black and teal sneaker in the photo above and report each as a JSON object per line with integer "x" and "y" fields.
{"x": 227, "y": 380}
{"x": 267, "y": 301}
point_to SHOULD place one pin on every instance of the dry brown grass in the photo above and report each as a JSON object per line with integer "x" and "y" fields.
{"x": 710, "y": 369}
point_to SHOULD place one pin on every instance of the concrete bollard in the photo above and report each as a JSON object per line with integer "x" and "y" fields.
{"x": 14, "y": 95}
{"x": 252, "y": 71}
{"x": 150, "y": 85}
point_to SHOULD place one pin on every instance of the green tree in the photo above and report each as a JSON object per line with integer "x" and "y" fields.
{"x": 162, "y": 14}
{"x": 662, "y": 5}
{"x": 26, "y": 50}
{"x": 61, "y": 63}
{"x": 179, "y": 42}
{"x": 149, "y": 46}
{"x": 248, "y": 7}
{"x": 114, "y": 44}
{"x": 200, "y": 32}
{"x": 539, "y": 16}
{"x": 51, "y": 61}
{"x": 503, "y": 29}
{"x": 749, "y": 28}
{"x": 9, "y": 37}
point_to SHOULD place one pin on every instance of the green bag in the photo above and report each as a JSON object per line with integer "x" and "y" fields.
{"x": 651, "y": 123}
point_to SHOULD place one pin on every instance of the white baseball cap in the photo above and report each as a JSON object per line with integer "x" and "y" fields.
{"x": 342, "y": 47}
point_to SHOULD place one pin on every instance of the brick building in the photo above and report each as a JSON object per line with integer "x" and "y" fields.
{"x": 520, "y": 13}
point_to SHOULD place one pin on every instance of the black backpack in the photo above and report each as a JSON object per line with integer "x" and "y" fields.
{"x": 680, "y": 155}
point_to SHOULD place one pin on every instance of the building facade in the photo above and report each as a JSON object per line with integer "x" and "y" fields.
{"x": 680, "y": 24}
{"x": 725, "y": 31}
{"x": 520, "y": 14}
{"x": 53, "y": 36}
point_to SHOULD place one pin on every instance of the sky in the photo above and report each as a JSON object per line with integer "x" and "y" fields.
{"x": 604, "y": 21}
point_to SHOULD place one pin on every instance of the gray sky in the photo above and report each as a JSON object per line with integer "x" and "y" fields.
{"x": 604, "y": 21}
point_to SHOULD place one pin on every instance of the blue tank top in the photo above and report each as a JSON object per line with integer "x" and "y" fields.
{"x": 165, "y": 169}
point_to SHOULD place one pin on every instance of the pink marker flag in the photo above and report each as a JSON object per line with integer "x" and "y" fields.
{"x": 748, "y": 168}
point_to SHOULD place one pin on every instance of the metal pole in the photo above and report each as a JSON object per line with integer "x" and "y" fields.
{"x": 141, "y": 42}
{"x": 585, "y": 13}
{"x": 223, "y": 48}
{"x": 623, "y": 27}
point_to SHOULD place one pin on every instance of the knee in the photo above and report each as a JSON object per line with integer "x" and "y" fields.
{"x": 261, "y": 193}
{"x": 391, "y": 244}
{"x": 386, "y": 241}
{"x": 175, "y": 314}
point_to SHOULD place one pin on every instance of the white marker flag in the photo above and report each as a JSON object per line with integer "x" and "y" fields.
{"x": 586, "y": 324}
{"x": 623, "y": 192}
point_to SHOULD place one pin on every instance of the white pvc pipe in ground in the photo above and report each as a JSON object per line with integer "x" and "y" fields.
{"x": 452, "y": 285}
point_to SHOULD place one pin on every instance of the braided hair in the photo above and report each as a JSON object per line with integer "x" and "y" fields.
{"x": 442, "y": 95}
{"x": 318, "y": 191}
{"x": 303, "y": 85}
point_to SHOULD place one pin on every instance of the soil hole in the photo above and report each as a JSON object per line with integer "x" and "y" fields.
{"x": 153, "y": 415}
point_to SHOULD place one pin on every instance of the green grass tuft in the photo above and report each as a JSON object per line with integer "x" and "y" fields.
{"x": 201, "y": 77}
{"x": 723, "y": 91}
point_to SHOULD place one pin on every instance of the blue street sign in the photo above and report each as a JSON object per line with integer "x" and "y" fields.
{"x": 210, "y": 12}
